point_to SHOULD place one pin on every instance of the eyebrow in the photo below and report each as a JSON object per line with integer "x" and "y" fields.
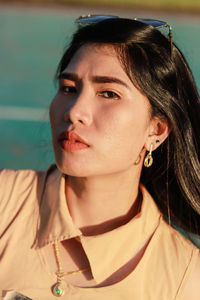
{"x": 94, "y": 79}
{"x": 69, "y": 76}
{"x": 108, "y": 79}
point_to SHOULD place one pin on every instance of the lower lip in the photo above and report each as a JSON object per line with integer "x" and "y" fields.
{"x": 70, "y": 146}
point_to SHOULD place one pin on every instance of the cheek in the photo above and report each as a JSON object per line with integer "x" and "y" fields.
{"x": 125, "y": 130}
{"x": 125, "y": 120}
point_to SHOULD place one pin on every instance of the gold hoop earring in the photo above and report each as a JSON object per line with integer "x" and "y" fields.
{"x": 149, "y": 159}
{"x": 138, "y": 160}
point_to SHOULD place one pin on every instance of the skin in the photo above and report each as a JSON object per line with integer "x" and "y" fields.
{"x": 114, "y": 118}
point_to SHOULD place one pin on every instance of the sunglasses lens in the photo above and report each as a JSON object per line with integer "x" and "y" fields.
{"x": 154, "y": 23}
{"x": 94, "y": 19}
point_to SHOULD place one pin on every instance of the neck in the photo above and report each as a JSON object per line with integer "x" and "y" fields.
{"x": 102, "y": 203}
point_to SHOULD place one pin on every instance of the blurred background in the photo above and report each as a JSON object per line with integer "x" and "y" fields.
{"x": 33, "y": 35}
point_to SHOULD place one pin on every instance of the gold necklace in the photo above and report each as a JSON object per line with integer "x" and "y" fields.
{"x": 58, "y": 288}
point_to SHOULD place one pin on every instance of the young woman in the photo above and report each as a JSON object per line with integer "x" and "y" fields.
{"x": 97, "y": 225}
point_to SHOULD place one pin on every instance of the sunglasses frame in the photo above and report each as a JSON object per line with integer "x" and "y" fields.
{"x": 90, "y": 19}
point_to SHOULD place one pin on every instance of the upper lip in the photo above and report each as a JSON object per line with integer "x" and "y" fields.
{"x": 71, "y": 136}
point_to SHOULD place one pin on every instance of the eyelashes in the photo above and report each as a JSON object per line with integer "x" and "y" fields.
{"x": 67, "y": 89}
{"x": 106, "y": 94}
{"x": 109, "y": 95}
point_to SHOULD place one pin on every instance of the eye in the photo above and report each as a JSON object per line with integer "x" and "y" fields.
{"x": 109, "y": 95}
{"x": 67, "y": 89}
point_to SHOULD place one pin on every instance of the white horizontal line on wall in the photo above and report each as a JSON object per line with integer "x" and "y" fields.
{"x": 17, "y": 113}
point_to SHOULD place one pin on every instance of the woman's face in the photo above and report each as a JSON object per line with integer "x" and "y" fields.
{"x": 100, "y": 121}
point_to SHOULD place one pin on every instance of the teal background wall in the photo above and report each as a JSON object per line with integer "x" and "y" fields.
{"x": 32, "y": 42}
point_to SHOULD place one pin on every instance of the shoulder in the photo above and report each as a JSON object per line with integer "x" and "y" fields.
{"x": 183, "y": 247}
{"x": 15, "y": 182}
{"x": 8, "y": 176}
{"x": 19, "y": 185}
{"x": 183, "y": 262}
{"x": 191, "y": 289}
{"x": 21, "y": 179}
{"x": 20, "y": 193}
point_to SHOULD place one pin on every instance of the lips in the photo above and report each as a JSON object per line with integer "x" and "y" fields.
{"x": 71, "y": 142}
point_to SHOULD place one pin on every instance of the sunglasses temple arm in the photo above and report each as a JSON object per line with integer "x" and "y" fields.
{"x": 171, "y": 39}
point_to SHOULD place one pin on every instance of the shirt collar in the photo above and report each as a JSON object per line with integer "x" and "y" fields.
{"x": 110, "y": 251}
{"x": 105, "y": 257}
{"x": 55, "y": 222}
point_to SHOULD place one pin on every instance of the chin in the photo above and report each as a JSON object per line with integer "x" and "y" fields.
{"x": 72, "y": 164}
{"x": 75, "y": 169}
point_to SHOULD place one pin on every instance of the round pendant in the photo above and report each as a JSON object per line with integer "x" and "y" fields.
{"x": 58, "y": 289}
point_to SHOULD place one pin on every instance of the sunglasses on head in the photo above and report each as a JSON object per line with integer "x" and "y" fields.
{"x": 89, "y": 19}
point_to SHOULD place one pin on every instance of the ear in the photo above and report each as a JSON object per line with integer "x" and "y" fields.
{"x": 159, "y": 130}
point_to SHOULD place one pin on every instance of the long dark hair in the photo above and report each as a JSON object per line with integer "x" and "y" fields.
{"x": 165, "y": 78}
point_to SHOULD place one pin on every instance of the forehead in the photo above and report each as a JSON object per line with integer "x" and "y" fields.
{"x": 95, "y": 58}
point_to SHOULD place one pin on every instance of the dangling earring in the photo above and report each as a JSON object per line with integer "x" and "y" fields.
{"x": 149, "y": 159}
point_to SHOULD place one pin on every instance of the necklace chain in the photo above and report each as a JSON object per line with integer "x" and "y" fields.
{"x": 58, "y": 289}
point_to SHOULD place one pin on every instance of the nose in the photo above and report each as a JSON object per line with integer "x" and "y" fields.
{"x": 80, "y": 111}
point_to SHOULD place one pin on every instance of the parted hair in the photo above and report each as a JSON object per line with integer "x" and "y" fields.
{"x": 163, "y": 75}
